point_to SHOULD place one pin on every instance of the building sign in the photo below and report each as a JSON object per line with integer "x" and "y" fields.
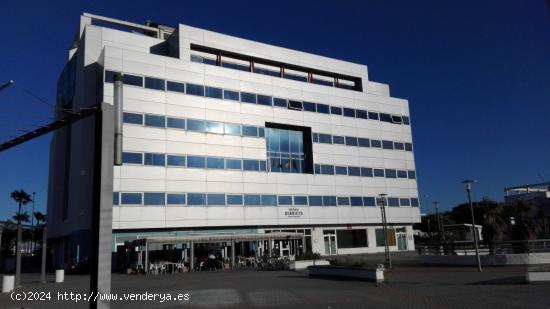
{"x": 293, "y": 212}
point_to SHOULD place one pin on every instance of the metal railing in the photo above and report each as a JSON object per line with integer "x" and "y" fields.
{"x": 467, "y": 248}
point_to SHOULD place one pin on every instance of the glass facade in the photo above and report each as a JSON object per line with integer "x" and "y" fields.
{"x": 285, "y": 150}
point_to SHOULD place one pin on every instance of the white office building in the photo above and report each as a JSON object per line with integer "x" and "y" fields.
{"x": 225, "y": 135}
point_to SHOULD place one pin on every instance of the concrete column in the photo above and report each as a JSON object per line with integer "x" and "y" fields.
{"x": 233, "y": 253}
{"x": 146, "y": 264}
{"x": 44, "y": 252}
{"x": 192, "y": 256}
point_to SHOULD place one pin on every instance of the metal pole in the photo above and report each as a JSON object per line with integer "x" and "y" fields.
{"x": 439, "y": 226}
{"x": 32, "y": 224}
{"x": 146, "y": 258}
{"x": 117, "y": 102}
{"x": 385, "y": 229}
{"x": 18, "y": 257}
{"x": 192, "y": 256}
{"x": 44, "y": 252}
{"x": 233, "y": 253}
{"x": 474, "y": 230}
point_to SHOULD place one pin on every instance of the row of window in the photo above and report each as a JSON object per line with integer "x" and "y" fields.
{"x": 221, "y": 199}
{"x": 197, "y": 125}
{"x": 160, "y": 159}
{"x": 254, "y": 98}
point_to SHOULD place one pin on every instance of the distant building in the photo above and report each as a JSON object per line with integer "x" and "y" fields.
{"x": 539, "y": 195}
{"x": 462, "y": 232}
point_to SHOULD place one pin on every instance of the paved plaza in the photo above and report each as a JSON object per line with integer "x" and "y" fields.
{"x": 405, "y": 287}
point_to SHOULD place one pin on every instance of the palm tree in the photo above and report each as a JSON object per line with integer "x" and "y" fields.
{"x": 494, "y": 225}
{"x": 39, "y": 217}
{"x": 525, "y": 227}
{"x": 22, "y": 198}
{"x": 21, "y": 217}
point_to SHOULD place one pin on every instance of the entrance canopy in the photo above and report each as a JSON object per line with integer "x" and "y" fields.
{"x": 206, "y": 238}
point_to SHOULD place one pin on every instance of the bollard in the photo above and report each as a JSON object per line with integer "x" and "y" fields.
{"x": 59, "y": 275}
{"x": 8, "y": 283}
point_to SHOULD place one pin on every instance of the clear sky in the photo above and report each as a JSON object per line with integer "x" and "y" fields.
{"x": 476, "y": 74}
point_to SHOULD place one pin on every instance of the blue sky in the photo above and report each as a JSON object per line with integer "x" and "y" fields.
{"x": 476, "y": 74}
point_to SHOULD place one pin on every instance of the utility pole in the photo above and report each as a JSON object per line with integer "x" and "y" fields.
{"x": 385, "y": 229}
{"x": 32, "y": 225}
{"x": 468, "y": 184}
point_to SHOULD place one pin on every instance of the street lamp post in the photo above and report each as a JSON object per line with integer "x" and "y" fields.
{"x": 385, "y": 229}
{"x": 468, "y": 184}
{"x": 440, "y": 230}
{"x": 33, "y": 245}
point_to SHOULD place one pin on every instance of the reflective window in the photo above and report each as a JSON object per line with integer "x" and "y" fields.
{"x": 349, "y": 112}
{"x": 231, "y": 95}
{"x": 354, "y": 171}
{"x": 401, "y": 174}
{"x": 393, "y": 202}
{"x": 399, "y": 146}
{"x": 214, "y": 127}
{"x": 154, "y": 83}
{"x": 130, "y": 198}
{"x": 408, "y": 147}
{"x": 110, "y": 76}
{"x": 236, "y": 66}
{"x": 194, "y": 89}
{"x": 269, "y": 200}
{"x": 249, "y": 131}
{"x": 285, "y": 150}
{"x": 232, "y": 129}
{"x": 248, "y": 97}
{"x": 335, "y": 110}
{"x": 174, "y": 160}
{"x": 329, "y": 200}
{"x": 285, "y": 200}
{"x": 374, "y": 143}
{"x": 391, "y": 173}
{"x": 175, "y": 199}
{"x": 261, "y": 132}
{"x": 263, "y": 166}
{"x": 414, "y": 202}
{"x": 339, "y": 140}
{"x": 378, "y": 172}
{"x": 297, "y": 105}
{"x": 176, "y": 123}
{"x": 404, "y": 202}
{"x": 406, "y": 120}
{"x": 412, "y": 174}
{"x": 343, "y": 201}
{"x": 396, "y": 119}
{"x": 175, "y": 87}
{"x": 156, "y": 159}
{"x": 233, "y": 164}
{"x": 366, "y": 172}
{"x": 264, "y": 100}
{"x": 300, "y": 201}
{"x": 116, "y": 198}
{"x": 132, "y": 158}
{"x": 327, "y": 169}
{"x": 154, "y": 121}
{"x": 132, "y": 118}
{"x": 325, "y": 138}
{"x": 341, "y": 170}
{"x": 216, "y": 163}
{"x": 251, "y": 200}
{"x": 132, "y": 80}
{"x": 315, "y": 200}
{"x": 213, "y": 92}
{"x": 196, "y": 125}
{"x": 196, "y": 161}
{"x": 196, "y": 199}
{"x": 362, "y": 114}
{"x": 323, "y": 109}
{"x": 215, "y": 199}
{"x": 363, "y": 142}
{"x": 351, "y": 141}
{"x": 251, "y": 165}
{"x": 385, "y": 117}
{"x": 280, "y": 102}
{"x": 356, "y": 201}
{"x": 309, "y": 107}
{"x": 317, "y": 169}
{"x": 387, "y": 144}
{"x": 153, "y": 199}
{"x": 315, "y": 137}
{"x": 373, "y": 115}
{"x": 234, "y": 199}
{"x": 369, "y": 201}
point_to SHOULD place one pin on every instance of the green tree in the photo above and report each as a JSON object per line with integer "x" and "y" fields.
{"x": 494, "y": 225}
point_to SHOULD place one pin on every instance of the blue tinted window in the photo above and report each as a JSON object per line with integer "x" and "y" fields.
{"x": 176, "y": 87}
{"x": 315, "y": 137}
{"x": 153, "y": 198}
{"x": 315, "y": 200}
{"x": 156, "y": 159}
{"x": 398, "y": 146}
{"x": 132, "y": 158}
{"x": 375, "y": 143}
{"x": 356, "y": 201}
{"x": 323, "y": 109}
{"x": 195, "y": 89}
{"x": 335, "y": 110}
{"x": 267, "y": 72}
{"x": 297, "y": 105}
{"x": 116, "y": 198}
{"x": 295, "y": 77}
{"x": 251, "y": 200}
{"x": 175, "y": 199}
{"x": 249, "y": 131}
{"x": 404, "y": 202}
{"x": 264, "y": 100}
{"x": 401, "y": 174}
{"x": 408, "y": 147}
{"x": 214, "y": 127}
{"x": 285, "y": 200}
{"x": 154, "y": 83}
{"x": 378, "y": 172}
{"x": 196, "y": 199}
{"x": 343, "y": 201}
{"x": 385, "y": 117}
{"x": 132, "y": 80}
{"x": 349, "y": 112}
{"x": 351, "y": 141}
{"x": 196, "y": 161}
{"x": 234, "y": 199}
{"x": 235, "y": 66}
{"x": 216, "y": 163}
{"x": 363, "y": 142}
{"x": 327, "y": 169}
{"x": 174, "y": 160}
{"x": 215, "y": 199}
{"x": 338, "y": 140}
{"x": 309, "y": 107}
{"x": 329, "y": 200}
{"x": 362, "y": 114}
{"x": 231, "y": 95}
{"x": 110, "y": 76}
{"x": 369, "y": 201}
{"x": 391, "y": 173}
{"x": 175, "y": 123}
{"x": 248, "y": 97}
{"x": 130, "y": 198}
{"x": 251, "y": 165}
{"x": 396, "y": 119}
{"x": 300, "y": 201}
{"x": 393, "y": 202}
{"x": 354, "y": 171}
{"x": 261, "y": 132}
{"x": 233, "y": 164}
{"x": 279, "y": 102}
{"x": 132, "y": 118}
{"x": 341, "y": 170}
{"x": 414, "y": 202}
{"x": 317, "y": 168}
{"x": 373, "y": 115}
{"x": 387, "y": 144}
{"x": 325, "y": 138}
{"x": 263, "y": 166}
{"x": 406, "y": 120}
{"x": 196, "y": 125}
{"x": 269, "y": 200}
{"x": 412, "y": 174}
{"x": 232, "y": 129}
{"x": 366, "y": 172}
{"x": 154, "y": 121}
{"x": 212, "y": 92}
